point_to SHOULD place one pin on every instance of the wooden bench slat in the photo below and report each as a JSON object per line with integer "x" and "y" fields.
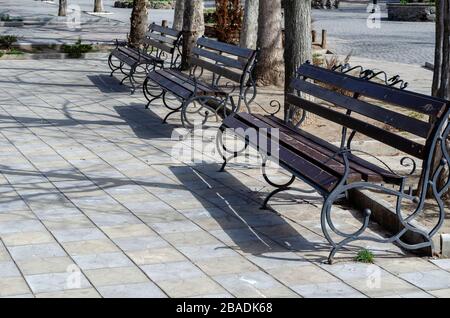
{"x": 396, "y": 141}
{"x": 226, "y": 48}
{"x": 164, "y": 30}
{"x": 386, "y": 116}
{"x": 368, "y": 170}
{"x": 302, "y": 149}
{"x": 169, "y": 85}
{"x": 417, "y": 102}
{"x": 188, "y": 83}
{"x": 161, "y": 38}
{"x": 220, "y": 70}
{"x": 312, "y": 174}
{"x": 159, "y": 45}
{"x": 219, "y": 58}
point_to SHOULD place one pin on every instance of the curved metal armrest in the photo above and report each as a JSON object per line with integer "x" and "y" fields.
{"x": 403, "y": 161}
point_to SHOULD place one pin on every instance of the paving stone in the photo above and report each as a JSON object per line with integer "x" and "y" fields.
{"x": 441, "y": 293}
{"x": 102, "y": 260}
{"x": 90, "y": 247}
{"x": 141, "y": 290}
{"x": 327, "y": 290}
{"x": 174, "y": 227}
{"x": 24, "y": 238}
{"x": 71, "y": 293}
{"x": 34, "y": 251}
{"x": 139, "y": 243}
{"x": 75, "y": 235}
{"x": 10, "y": 286}
{"x": 383, "y": 286}
{"x": 156, "y": 255}
{"x": 190, "y": 287}
{"x": 226, "y": 265}
{"x": 198, "y": 252}
{"x": 190, "y": 238}
{"x": 271, "y": 260}
{"x": 251, "y": 284}
{"x": 134, "y": 230}
{"x": 432, "y": 280}
{"x": 115, "y": 276}
{"x": 43, "y": 283}
{"x": 442, "y": 263}
{"x": 44, "y": 265}
{"x": 8, "y": 269}
{"x": 172, "y": 271}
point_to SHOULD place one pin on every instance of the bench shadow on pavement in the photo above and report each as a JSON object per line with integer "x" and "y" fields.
{"x": 108, "y": 84}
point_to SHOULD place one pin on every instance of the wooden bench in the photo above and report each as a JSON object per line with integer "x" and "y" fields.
{"x": 161, "y": 48}
{"x": 334, "y": 171}
{"x": 206, "y": 97}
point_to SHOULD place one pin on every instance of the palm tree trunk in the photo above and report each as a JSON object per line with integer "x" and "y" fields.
{"x": 139, "y": 23}
{"x": 298, "y": 46}
{"x": 193, "y": 28}
{"x": 249, "y": 34}
{"x": 98, "y": 6}
{"x": 62, "y": 10}
{"x": 270, "y": 68}
{"x": 178, "y": 15}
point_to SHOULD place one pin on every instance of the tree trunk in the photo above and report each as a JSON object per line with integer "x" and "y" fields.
{"x": 193, "y": 28}
{"x": 139, "y": 23}
{"x": 441, "y": 83}
{"x": 441, "y": 76}
{"x": 249, "y": 34}
{"x": 98, "y": 6}
{"x": 62, "y": 10}
{"x": 178, "y": 15}
{"x": 270, "y": 68}
{"x": 298, "y": 44}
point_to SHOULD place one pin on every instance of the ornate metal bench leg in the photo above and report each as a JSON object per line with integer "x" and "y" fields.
{"x": 222, "y": 148}
{"x": 148, "y": 95}
{"x": 112, "y": 66}
{"x": 279, "y": 187}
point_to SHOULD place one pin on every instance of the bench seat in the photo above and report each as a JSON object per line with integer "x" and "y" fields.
{"x": 310, "y": 157}
{"x": 182, "y": 85}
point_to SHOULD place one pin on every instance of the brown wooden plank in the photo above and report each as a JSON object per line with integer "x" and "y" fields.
{"x": 161, "y": 38}
{"x": 414, "y": 101}
{"x": 219, "y": 58}
{"x": 169, "y": 85}
{"x": 164, "y": 30}
{"x": 226, "y": 48}
{"x": 159, "y": 45}
{"x": 301, "y": 167}
{"x": 394, "y": 119}
{"x": 368, "y": 170}
{"x": 220, "y": 70}
{"x": 388, "y": 138}
{"x": 202, "y": 85}
{"x": 307, "y": 151}
{"x": 188, "y": 84}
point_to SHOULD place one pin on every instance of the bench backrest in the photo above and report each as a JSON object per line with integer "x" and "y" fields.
{"x": 224, "y": 60}
{"x": 373, "y": 115}
{"x": 163, "y": 39}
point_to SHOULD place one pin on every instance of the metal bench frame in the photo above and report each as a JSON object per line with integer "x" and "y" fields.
{"x": 232, "y": 71}
{"x": 434, "y": 133}
{"x": 161, "y": 48}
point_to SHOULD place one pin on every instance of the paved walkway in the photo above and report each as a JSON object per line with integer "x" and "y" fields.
{"x": 401, "y": 42}
{"x": 94, "y": 203}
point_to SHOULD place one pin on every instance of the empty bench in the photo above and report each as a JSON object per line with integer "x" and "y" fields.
{"x": 228, "y": 64}
{"x": 385, "y": 114}
{"x": 161, "y": 48}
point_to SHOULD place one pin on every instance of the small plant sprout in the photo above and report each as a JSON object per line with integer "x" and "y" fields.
{"x": 365, "y": 256}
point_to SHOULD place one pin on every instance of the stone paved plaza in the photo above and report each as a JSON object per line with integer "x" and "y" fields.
{"x": 94, "y": 203}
